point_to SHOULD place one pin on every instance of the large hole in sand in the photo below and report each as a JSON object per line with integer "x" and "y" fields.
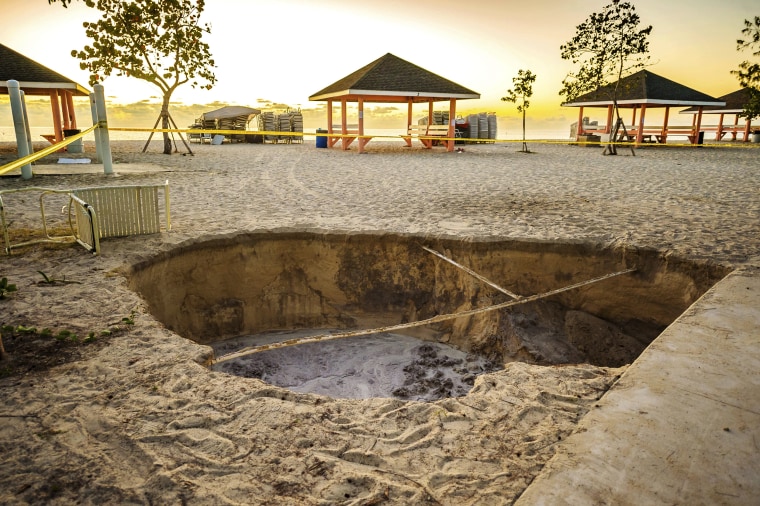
{"x": 259, "y": 288}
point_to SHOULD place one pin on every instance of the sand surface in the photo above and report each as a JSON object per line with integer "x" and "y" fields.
{"x": 134, "y": 416}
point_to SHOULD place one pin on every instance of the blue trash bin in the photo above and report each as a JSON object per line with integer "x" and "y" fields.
{"x": 321, "y": 139}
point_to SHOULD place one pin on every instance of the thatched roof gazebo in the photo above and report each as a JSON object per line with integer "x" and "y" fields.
{"x": 735, "y": 102}
{"x": 641, "y": 91}
{"x": 389, "y": 79}
{"x": 36, "y": 79}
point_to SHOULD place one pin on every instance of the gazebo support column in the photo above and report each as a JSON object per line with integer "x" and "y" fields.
{"x": 579, "y": 130}
{"x": 362, "y": 141}
{"x": 428, "y": 143}
{"x": 345, "y": 139}
{"x": 695, "y": 138}
{"x": 57, "y": 127}
{"x": 719, "y": 132}
{"x": 69, "y": 97}
{"x": 640, "y": 129}
{"x": 747, "y": 128}
{"x": 408, "y": 140}
{"x": 343, "y": 127}
{"x": 608, "y": 127}
{"x": 65, "y": 110}
{"x": 330, "y": 139}
{"x": 452, "y": 119}
{"x": 664, "y": 132}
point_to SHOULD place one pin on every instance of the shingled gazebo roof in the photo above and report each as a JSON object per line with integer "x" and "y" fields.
{"x": 33, "y": 78}
{"x": 392, "y": 79}
{"x": 645, "y": 87}
{"x": 734, "y": 104}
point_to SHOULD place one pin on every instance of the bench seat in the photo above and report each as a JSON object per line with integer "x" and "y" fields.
{"x": 428, "y": 135}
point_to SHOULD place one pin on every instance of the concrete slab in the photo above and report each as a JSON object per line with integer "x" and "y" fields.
{"x": 682, "y": 425}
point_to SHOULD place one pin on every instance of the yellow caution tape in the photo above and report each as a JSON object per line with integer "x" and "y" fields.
{"x": 68, "y": 140}
{"x": 44, "y": 152}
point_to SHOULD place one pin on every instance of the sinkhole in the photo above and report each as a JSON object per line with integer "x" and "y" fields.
{"x": 258, "y": 289}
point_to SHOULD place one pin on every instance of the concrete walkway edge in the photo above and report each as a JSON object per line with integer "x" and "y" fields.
{"x": 682, "y": 425}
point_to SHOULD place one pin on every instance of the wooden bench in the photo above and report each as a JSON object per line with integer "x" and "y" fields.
{"x": 656, "y": 133}
{"x": 337, "y": 135}
{"x": 428, "y": 135}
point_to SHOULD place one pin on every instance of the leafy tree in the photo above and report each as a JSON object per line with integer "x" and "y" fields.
{"x": 608, "y": 44}
{"x": 523, "y": 90}
{"x": 158, "y": 42}
{"x": 749, "y": 72}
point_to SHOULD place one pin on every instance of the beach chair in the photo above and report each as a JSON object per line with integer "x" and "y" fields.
{"x": 117, "y": 211}
{"x": 100, "y": 212}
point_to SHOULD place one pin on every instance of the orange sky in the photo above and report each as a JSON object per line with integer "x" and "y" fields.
{"x": 282, "y": 52}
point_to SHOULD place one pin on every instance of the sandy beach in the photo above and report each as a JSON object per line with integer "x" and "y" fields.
{"x": 137, "y": 417}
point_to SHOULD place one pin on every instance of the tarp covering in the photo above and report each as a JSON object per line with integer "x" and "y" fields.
{"x": 230, "y": 111}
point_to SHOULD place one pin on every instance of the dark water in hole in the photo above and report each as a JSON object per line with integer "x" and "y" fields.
{"x": 380, "y": 365}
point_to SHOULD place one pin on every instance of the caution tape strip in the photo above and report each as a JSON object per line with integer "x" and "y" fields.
{"x": 471, "y": 140}
{"x": 276, "y": 133}
{"x": 44, "y": 152}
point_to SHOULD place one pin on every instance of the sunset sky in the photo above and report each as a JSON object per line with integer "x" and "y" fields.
{"x": 283, "y": 51}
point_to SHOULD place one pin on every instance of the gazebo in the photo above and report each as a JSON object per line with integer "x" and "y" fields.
{"x": 641, "y": 91}
{"x": 734, "y": 105}
{"x": 36, "y": 79}
{"x": 389, "y": 79}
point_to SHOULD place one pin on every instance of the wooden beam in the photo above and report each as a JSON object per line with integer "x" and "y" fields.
{"x": 362, "y": 141}
{"x": 64, "y": 110}
{"x": 640, "y": 132}
{"x": 664, "y": 132}
{"x": 473, "y": 273}
{"x": 70, "y": 105}
{"x": 409, "y": 115}
{"x": 452, "y": 117}
{"x": 608, "y": 127}
{"x": 695, "y": 138}
{"x": 57, "y": 127}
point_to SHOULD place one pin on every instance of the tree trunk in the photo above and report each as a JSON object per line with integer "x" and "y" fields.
{"x": 165, "y": 125}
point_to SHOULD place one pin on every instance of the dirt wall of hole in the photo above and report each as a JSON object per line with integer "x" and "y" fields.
{"x": 218, "y": 288}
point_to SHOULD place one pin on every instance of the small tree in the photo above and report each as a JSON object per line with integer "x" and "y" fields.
{"x": 523, "y": 90}
{"x": 158, "y": 42}
{"x": 608, "y": 44}
{"x": 749, "y": 72}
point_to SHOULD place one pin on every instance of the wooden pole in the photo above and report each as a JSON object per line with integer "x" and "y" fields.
{"x": 190, "y": 151}
{"x": 147, "y": 143}
{"x": 392, "y": 328}
{"x": 608, "y": 126}
{"x": 362, "y": 141}
{"x": 664, "y": 132}
{"x": 698, "y": 126}
{"x": 57, "y": 124}
{"x": 452, "y": 120}
{"x": 473, "y": 274}
{"x": 69, "y": 97}
{"x": 640, "y": 132}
